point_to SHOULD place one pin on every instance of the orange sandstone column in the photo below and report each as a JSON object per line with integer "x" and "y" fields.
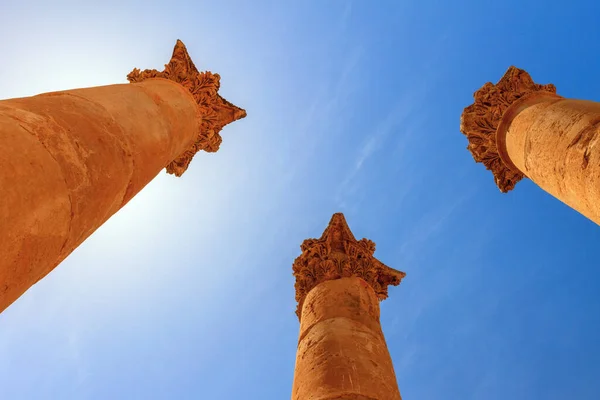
{"x": 342, "y": 353}
{"x": 71, "y": 159}
{"x": 518, "y": 128}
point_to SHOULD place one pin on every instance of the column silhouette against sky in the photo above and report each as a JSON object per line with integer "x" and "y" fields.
{"x": 518, "y": 129}
{"x": 74, "y": 158}
{"x": 342, "y": 352}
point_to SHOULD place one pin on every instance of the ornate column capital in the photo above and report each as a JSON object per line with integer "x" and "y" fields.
{"x": 480, "y": 121}
{"x": 337, "y": 254}
{"x": 214, "y": 111}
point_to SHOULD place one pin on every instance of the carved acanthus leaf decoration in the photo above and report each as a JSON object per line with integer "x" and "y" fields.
{"x": 480, "y": 120}
{"x": 213, "y": 110}
{"x": 337, "y": 254}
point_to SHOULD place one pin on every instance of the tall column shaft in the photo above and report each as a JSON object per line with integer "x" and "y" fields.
{"x": 69, "y": 160}
{"x": 555, "y": 144}
{"x": 342, "y": 353}
{"x": 518, "y": 128}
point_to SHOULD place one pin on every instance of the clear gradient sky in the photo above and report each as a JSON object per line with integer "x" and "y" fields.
{"x": 353, "y": 106}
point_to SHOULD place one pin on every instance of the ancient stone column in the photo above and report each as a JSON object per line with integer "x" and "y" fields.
{"x": 71, "y": 159}
{"x": 518, "y": 128}
{"x": 342, "y": 353}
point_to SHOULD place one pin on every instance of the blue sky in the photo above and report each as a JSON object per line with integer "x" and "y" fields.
{"x": 353, "y": 106}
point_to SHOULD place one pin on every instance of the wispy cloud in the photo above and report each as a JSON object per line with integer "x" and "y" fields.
{"x": 344, "y": 19}
{"x": 74, "y": 350}
{"x": 403, "y": 119}
{"x": 328, "y": 100}
{"x": 400, "y": 113}
{"x": 429, "y": 224}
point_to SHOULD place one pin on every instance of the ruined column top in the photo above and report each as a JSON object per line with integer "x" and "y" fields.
{"x": 480, "y": 122}
{"x": 213, "y": 110}
{"x": 337, "y": 254}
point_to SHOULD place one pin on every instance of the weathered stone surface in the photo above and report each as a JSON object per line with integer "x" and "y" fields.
{"x": 86, "y": 142}
{"x": 342, "y": 353}
{"x": 157, "y": 118}
{"x": 35, "y": 209}
{"x": 556, "y": 144}
{"x": 69, "y": 160}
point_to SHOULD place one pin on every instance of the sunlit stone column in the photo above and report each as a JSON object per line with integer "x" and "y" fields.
{"x": 71, "y": 159}
{"x": 342, "y": 353}
{"x": 518, "y": 128}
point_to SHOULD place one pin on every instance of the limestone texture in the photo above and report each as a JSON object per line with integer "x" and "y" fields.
{"x": 342, "y": 352}
{"x": 69, "y": 160}
{"x": 555, "y": 144}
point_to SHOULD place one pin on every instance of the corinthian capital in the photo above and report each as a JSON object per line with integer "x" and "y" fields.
{"x": 337, "y": 254}
{"x": 214, "y": 111}
{"x": 480, "y": 121}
